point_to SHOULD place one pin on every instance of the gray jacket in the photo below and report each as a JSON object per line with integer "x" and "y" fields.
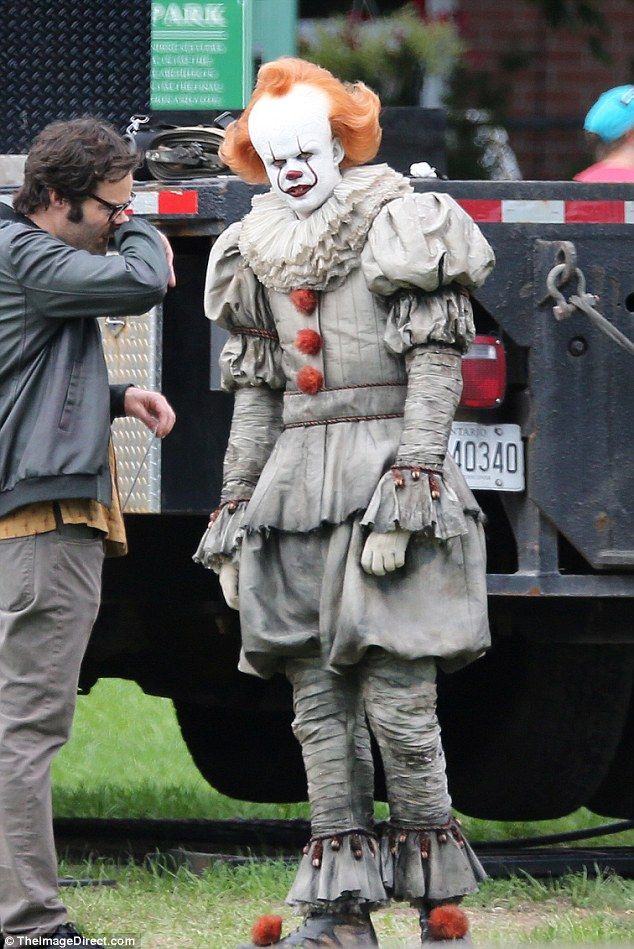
{"x": 55, "y": 402}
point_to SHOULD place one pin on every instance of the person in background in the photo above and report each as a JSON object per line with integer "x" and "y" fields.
{"x": 610, "y": 126}
{"x": 59, "y": 507}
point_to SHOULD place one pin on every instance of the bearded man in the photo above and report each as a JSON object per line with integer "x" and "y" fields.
{"x": 59, "y": 508}
{"x": 356, "y": 544}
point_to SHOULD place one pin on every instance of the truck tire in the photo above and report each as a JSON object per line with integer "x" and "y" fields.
{"x": 615, "y": 797}
{"x": 248, "y": 755}
{"x": 531, "y": 730}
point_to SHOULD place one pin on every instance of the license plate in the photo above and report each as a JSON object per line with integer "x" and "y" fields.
{"x": 491, "y": 457}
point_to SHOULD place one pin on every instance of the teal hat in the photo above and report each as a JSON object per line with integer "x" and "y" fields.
{"x": 612, "y": 115}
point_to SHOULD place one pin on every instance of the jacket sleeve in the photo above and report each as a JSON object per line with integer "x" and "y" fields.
{"x": 117, "y": 396}
{"x": 251, "y": 365}
{"x": 61, "y": 281}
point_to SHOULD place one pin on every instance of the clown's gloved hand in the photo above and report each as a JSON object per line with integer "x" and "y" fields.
{"x": 228, "y": 576}
{"x": 384, "y": 553}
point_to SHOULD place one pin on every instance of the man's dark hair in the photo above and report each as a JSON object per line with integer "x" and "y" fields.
{"x": 72, "y": 158}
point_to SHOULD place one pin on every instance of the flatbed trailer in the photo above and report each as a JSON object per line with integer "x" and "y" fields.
{"x": 544, "y": 723}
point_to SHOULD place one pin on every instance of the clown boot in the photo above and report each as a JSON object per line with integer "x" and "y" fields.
{"x": 352, "y": 928}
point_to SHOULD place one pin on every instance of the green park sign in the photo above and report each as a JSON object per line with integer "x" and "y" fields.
{"x": 201, "y": 55}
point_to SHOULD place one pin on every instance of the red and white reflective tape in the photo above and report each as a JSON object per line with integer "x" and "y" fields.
{"x": 549, "y": 212}
{"x": 481, "y": 210}
{"x": 165, "y": 202}
{"x": 153, "y": 202}
{"x": 485, "y": 211}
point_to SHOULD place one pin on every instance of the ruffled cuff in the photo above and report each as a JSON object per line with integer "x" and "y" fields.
{"x": 424, "y": 319}
{"x": 412, "y": 508}
{"x": 251, "y": 359}
{"x": 429, "y": 865}
{"x": 339, "y": 867}
{"x": 221, "y": 541}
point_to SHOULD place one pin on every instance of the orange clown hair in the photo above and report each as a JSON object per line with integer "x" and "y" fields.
{"x": 354, "y": 116}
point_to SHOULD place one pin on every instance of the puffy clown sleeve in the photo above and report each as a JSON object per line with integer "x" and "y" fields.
{"x": 424, "y": 253}
{"x": 425, "y": 241}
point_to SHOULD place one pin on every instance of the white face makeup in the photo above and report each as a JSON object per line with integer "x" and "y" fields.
{"x": 292, "y": 136}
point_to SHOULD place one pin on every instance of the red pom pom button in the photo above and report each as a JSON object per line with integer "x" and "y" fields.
{"x": 309, "y": 380}
{"x": 308, "y": 342}
{"x": 304, "y": 300}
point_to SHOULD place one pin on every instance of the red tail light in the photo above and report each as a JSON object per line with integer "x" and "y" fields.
{"x": 484, "y": 373}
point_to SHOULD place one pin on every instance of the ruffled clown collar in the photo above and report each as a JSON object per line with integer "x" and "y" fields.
{"x": 286, "y": 252}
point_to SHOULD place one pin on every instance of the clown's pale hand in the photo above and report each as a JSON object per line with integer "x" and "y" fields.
{"x": 384, "y": 553}
{"x": 151, "y": 408}
{"x": 228, "y": 577}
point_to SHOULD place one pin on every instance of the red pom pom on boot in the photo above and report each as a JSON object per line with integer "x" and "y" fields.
{"x": 318, "y": 929}
{"x": 445, "y": 923}
{"x": 267, "y": 930}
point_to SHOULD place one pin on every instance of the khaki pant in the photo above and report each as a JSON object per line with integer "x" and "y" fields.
{"x": 49, "y": 597}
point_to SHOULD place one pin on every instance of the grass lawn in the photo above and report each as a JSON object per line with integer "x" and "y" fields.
{"x": 126, "y": 759}
{"x": 216, "y": 910}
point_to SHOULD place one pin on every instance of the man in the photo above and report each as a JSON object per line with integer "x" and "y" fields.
{"x": 610, "y": 125}
{"x": 59, "y": 507}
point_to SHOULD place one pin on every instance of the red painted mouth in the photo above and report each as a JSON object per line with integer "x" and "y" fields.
{"x": 298, "y": 191}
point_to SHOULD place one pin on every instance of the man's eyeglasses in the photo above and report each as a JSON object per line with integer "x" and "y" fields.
{"x": 114, "y": 209}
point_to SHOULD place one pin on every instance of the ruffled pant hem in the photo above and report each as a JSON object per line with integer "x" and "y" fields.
{"x": 415, "y": 866}
{"x": 429, "y": 866}
{"x": 339, "y": 875}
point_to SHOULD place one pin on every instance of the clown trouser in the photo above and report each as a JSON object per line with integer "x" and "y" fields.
{"x": 422, "y": 857}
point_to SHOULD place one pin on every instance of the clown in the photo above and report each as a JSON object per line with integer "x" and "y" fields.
{"x": 345, "y": 530}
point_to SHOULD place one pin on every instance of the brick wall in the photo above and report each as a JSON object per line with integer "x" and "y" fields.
{"x": 549, "y": 95}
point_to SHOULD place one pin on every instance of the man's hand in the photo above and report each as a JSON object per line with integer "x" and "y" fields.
{"x": 169, "y": 253}
{"x": 151, "y": 408}
{"x": 228, "y": 578}
{"x": 384, "y": 553}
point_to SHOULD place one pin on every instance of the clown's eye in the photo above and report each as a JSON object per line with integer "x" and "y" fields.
{"x": 304, "y": 156}
{"x": 278, "y": 163}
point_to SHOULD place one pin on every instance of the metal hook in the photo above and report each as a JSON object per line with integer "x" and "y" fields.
{"x": 567, "y": 255}
{"x": 562, "y": 307}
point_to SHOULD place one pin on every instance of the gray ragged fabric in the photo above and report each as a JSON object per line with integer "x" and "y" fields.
{"x": 443, "y": 317}
{"x": 398, "y": 700}
{"x": 221, "y": 541}
{"x": 256, "y": 425}
{"x": 449, "y": 870}
{"x": 433, "y": 393}
{"x": 320, "y": 602}
{"x": 330, "y": 726}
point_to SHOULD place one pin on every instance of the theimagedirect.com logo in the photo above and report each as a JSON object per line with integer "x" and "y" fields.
{"x": 108, "y": 942}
